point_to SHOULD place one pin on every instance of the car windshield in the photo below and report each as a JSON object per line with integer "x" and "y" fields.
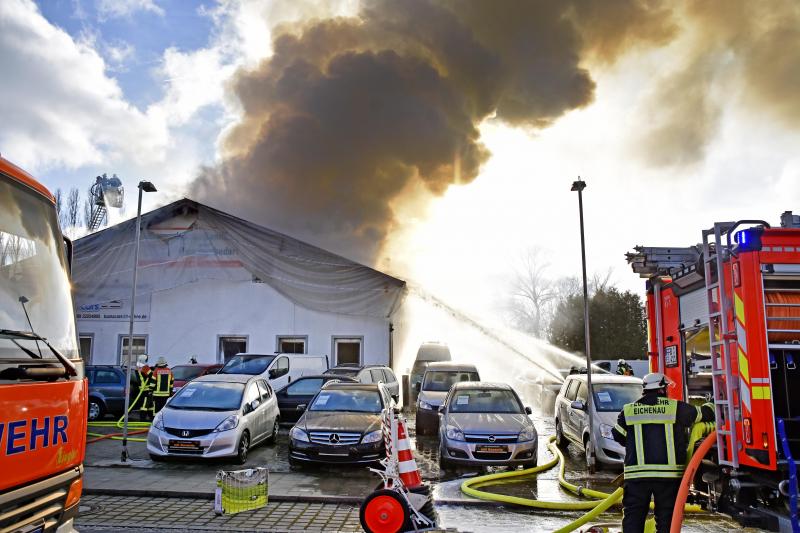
{"x": 35, "y": 292}
{"x": 247, "y": 364}
{"x": 354, "y": 400}
{"x": 186, "y": 372}
{"x": 209, "y": 396}
{"x": 442, "y": 380}
{"x": 485, "y": 401}
{"x": 612, "y": 397}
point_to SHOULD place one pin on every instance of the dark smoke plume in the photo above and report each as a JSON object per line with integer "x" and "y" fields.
{"x": 349, "y": 113}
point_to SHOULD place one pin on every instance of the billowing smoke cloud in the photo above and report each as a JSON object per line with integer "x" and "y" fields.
{"x": 349, "y": 113}
{"x": 735, "y": 54}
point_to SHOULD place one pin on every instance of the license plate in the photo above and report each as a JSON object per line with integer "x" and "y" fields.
{"x": 184, "y": 445}
{"x": 491, "y": 449}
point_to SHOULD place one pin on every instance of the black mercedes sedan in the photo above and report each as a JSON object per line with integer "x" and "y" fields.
{"x": 342, "y": 424}
{"x": 300, "y": 393}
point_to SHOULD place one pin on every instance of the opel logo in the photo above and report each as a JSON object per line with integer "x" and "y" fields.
{"x": 185, "y": 433}
{"x": 491, "y": 438}
{"x": 334, "y": 438}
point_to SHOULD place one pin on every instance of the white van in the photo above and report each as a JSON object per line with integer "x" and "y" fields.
{"x": 279, "y": 369}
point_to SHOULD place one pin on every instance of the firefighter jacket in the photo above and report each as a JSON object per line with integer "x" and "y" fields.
{"x": 163, "y": 379}
{"x": 145, "y": 378}
{"x": 654, "y": 431}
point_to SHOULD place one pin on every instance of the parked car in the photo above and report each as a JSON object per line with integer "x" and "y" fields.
{"x": 432, "y": 390}
{"x": 428, "y": 352}
{"x": 342, "y": 424}
{"x": 611, "y": 393}
{"x": 107, "y": 390}
{"x": 182, "y": 374}
{"x": 301, "y": 392}
{"x": 486, "y": 424}
{"x": 216, "y": 416}
{"x": 370, "y": 374}
{"x": 278, "y": 368}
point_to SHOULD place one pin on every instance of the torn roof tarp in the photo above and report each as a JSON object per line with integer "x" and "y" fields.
{"x": 186, "y": 241}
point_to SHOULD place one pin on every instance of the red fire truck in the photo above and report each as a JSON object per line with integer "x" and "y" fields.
{"x": 724, "y": 325}
{"x": 43, "y": 393}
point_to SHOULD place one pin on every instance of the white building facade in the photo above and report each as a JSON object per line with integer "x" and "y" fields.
{"x": 212, "y": 285}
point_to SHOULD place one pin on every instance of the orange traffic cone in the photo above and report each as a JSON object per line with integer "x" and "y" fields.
{"x": 407, "y": 466}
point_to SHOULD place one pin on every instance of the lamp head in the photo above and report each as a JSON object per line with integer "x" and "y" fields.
{"x": 147, "y": 186}
{"x": 578, "y": 185}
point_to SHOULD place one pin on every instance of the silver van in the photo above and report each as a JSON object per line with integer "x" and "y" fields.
{"x": 433, "y": 388}
{"x": 611, "y": 393}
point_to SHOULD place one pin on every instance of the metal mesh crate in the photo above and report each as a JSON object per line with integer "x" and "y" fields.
{"x": 241, "y": 490}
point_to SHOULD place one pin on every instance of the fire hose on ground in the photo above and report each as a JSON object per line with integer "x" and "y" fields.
{"x": 138, "y": 427}
{"x": 603, "y": 501}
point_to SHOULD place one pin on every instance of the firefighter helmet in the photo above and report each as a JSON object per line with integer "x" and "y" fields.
{"x": 654, "y": 381}
{"x": 141, "y": 360}
{"x": 161, "y": 362}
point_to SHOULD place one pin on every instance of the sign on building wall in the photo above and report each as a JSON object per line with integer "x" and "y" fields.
{"x": 116, "y": 310}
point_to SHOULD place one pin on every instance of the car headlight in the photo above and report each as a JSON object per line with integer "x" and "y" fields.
{"x": 529, "y": 433}
{"x": 229, "y": 423}
{"x": 298, "y": 434}
{"x": 605, "y": 431}
{"x": 425, "y": 405}
{"x": 158, "y": 421}
{"x": 374, "y": 436}
{"x": 453, "y": 433}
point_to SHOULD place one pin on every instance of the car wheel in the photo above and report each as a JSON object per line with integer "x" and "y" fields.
{"x": 244, "y": 446}
{"x": 96, "y": 409}
{"x": 272, "y": 439}
{"x": 561, "y": 441}
{"x": 591, "y": 458}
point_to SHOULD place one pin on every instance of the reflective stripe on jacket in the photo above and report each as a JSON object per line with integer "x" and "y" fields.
{"x": 163, "y": 382}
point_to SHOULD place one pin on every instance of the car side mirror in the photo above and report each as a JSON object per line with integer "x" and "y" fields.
{"x": 441, "y": 409}
{"x": 255, "y": 405}
{"x": 301, "y": 407}
{"x": 528, "y": 410}
{"x": 578, "y": 404}
{"x": 273, "y": 373}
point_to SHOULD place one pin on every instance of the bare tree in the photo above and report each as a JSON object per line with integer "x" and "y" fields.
{"x": 533, "y": 293}
{"x": 73, "y": 207}
{"x": 60, "y": 207}
{"x": 87, "y": 210}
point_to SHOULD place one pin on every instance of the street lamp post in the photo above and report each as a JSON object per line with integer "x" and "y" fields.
{"x": 144, "y": 186}
{"x": 578, "y": 186}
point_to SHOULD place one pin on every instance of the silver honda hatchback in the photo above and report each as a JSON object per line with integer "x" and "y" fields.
{"x": 485, "y": 424}
{"x": 220, "y": 415}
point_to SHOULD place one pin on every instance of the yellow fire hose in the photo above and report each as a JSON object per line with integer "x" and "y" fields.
{"x": 595, "y": 507}
{"x": 139, "y": 426}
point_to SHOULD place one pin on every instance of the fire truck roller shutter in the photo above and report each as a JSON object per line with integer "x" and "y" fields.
{"x": 789, "y": 308}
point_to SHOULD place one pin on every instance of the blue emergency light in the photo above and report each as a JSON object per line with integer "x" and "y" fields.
{"x": 748, "y": 240}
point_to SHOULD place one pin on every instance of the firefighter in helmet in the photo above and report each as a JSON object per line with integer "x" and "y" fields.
{"x": 162, "y": 384}
{"x": 145, "y": 395}
{"x": 654, "y": 430}
{"x": 623, "y": 368}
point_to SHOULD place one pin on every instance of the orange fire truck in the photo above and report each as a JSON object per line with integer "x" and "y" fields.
{"x": 724, "y": 325}
{"x": 43, "y": 393}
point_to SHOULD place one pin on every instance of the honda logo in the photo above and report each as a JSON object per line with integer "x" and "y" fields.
{"x": 334, "y": 438}
{"x": 491, "y": 438}
{"x": 185, "y": 433}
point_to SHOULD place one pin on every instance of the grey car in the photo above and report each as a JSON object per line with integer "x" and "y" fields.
{"x": 611, "y": 393}
{"x": 219, "y": 415}
{"x": 432, "y": 390}
{"x": 486, "y": 424}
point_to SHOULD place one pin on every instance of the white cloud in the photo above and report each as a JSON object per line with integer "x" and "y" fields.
{"x": 58, "y": 105}
{"x": 109, "y": 9}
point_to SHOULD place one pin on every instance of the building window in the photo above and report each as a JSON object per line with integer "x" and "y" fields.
{"x": 86, "y": 342}
{"x": 230, "y": 345}
{"x": 347, "y": 350}
{"x": 292, "y": 344}
{"x": 139, "y": 347}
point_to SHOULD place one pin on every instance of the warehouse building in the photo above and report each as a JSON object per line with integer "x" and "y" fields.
{"x": 211, "y": 285}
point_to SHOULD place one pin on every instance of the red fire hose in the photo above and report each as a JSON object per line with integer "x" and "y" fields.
{"x": 112, "y": 435}
{"x": 688, "y": 476}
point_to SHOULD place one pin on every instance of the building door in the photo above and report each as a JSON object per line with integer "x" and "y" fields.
{"x": 230, "y": 346}
{"x": 86, "y": 344}
{"x": 347, "y": 351}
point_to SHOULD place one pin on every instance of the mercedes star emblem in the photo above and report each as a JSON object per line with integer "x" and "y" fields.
{"x": 334, "y": 438}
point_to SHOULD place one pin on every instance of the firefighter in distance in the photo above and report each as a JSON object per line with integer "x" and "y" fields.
{"x": 654, "y": 430}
